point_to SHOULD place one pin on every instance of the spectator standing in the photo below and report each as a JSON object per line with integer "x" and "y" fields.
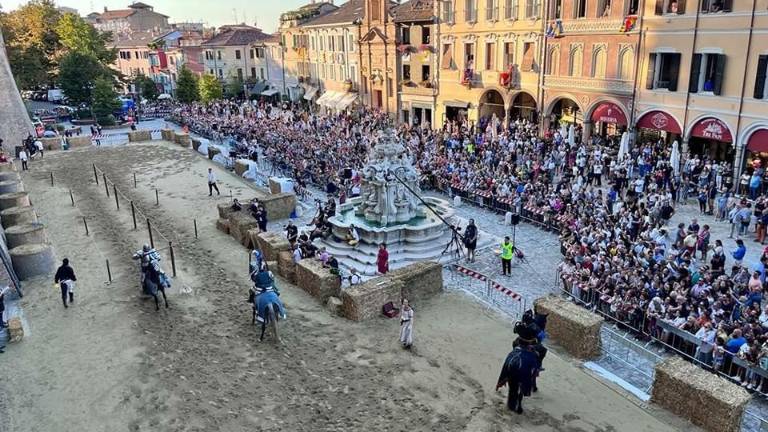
{"x": 382, "y": 259}
{"x": 470, "y": 240}
{"x": 65, "y": 277}
{"x": 406, "y": 325}
{"x": 39, "y": 147}
{"x": 24, "y": 158}
{"x": 740, "y": 251}
{"x": 212, "y": 183}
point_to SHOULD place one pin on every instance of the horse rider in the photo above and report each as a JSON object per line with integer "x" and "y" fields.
{"x": 148, "y": 256}
{"x": 263, "y": 283}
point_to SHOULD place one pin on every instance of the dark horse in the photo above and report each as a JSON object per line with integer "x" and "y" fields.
{"x": 518, "y": 373}
{"x": 154, "y": 281}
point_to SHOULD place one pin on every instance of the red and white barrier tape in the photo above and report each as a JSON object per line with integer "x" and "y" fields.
{"x": 497, "y": 286}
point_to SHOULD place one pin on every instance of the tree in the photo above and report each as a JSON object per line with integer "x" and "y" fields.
{"x": 77, "y": 76}
{"x": 105, "y": 101}
{"x": 77, "y": 35}
{"x": 209, "y": 88}
{"x": 234, "y": 88}
{"x": 186, "y": 86}
{"x": 147, "y": 87}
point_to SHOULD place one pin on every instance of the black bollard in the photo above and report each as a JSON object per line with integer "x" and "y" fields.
{"x": 134, "y": 180}
{"x": 195, "y": 222}
{"x": 133, "y": 215}
{"x": 95, "y": 175}
{"x": 86, "y": 226}
{"x": 149, "y": 228}
{"x": 51, "y": 178}
{"x": 173, "y": 258}
{"x": 117, "y": 202}
{"x": 72, "y": 197}
{"x": 109, "y": 272}
{"x": 157, "y": 198}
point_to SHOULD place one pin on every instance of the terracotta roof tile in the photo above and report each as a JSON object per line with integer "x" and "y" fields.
{"x": 345, "y": 14}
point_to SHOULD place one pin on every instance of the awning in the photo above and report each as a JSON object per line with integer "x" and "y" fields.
{"x": 257, "y": 88}
{"x": 456, "y": 104}
{"x": 758, "y": 141}
{"x": 330, "y": 99}
{"x": 269, "y": 92}
{"x": 310, "y": 92}
{"x": 659, "y": 120}
{"x": 712, "y": 128}
{"x": 608, "y": 112}
{"x": 346, "y": 100}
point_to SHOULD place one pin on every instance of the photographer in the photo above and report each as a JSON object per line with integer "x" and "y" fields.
{"x": 470, "y": 240}
{"x": 291, "y": 232}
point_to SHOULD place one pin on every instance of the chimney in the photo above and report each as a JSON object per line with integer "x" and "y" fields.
{"x": 105, "y": 8}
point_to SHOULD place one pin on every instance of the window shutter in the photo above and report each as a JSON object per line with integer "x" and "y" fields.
{"x": 719, "y": 73}
{"x": 659, "y": 7}
{"x": 727, "y": 5}
{"x": 762, "y": 65}
{"x": 651, "y": 71}
{"x": 674, "y": 67}
{"x": 515, "y": 9}
{"x": 693, "y": 83}
{"x": 680, "y": 7}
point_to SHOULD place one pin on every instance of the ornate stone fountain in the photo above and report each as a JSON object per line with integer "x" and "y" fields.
{"x": 388, "y": 212}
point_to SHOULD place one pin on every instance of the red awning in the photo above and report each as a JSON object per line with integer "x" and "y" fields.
{"x": 712, "y": 128}
{"x": 758, "y": 141}
{"x": 659, "y": 120}
{"x": 609, "y": 112}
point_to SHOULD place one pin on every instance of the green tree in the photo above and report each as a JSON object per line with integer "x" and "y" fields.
{"x": 234, "y": 88}
{"x": 105, "y": 101}
{"x": 147, "y": 87}
{"x": 209, "y": 88}
{"x": 77, "y": 76}
{"x": 186, "y": 86}
{"x": 77, "y": 35}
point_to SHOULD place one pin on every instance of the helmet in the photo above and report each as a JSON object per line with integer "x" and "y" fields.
{"x": 146, "y": 248}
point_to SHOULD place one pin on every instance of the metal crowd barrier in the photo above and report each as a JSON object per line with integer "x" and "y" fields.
{"x": 489, "y": 291}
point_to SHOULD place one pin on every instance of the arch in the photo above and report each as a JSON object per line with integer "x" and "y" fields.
{"x": 626, "y": 64}
{"x": 492, "y": 102}
{"x": 553, "y": 60}
{"x": 523, "y": 104}
{"x": 650, "y": 110}
{"x": 748, "y": 131}
{"x": 576, "y": 61}
{"x": 599, "y": 61}
{"x": 697, "y": 119}
{"x": 591, "y": 108}
{"x": 560, "y": 97}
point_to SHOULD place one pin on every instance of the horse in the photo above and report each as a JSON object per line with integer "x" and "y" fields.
{"x": 265, "y": 298}
{"x": 519, "y": 372}
{"x": 154, "y": 281}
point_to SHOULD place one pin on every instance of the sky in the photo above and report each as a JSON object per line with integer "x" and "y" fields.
{"x": 211, "y": 12}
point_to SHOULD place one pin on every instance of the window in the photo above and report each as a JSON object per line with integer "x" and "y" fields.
{"x": 490, "y": 57}
{"x": 599, "y": 60}
{"x": 528, "y": 57}
{"x": 426, "y": 37}
{"x": 556, "y": 12}
{"x": 390, "y": 89}
{"x": 491, "y": 10}
{"x": 221, "y": 73}
{"x": 580, "y": 8}
{"x": 532, "y": 8}
{"x": 469, "y": 56}
{"x": 375, "y": 10}
{"x": 553, "y": 64}
{"x": 211, "y": 71}
{"x": 760, "y": 79}
{"x": 218, "y": 55}
{"x": 405, "y": 35}
{"x": 707, "y": 73}
{"x": 406, "y": 116}
{"x": 353, "y": 75}
{"x": 322, "y": 43}
{"x": 331, "y": 44}
{"x": 509, "y": 54}
{"x": 351, "y": 43}
{"x": 603, "y": 8}
{"x": 260, "y": 54}
{"x": 406, "y": 72}
{"x": 714, "y": 6}
{"x": 670, "y": 7}
{"x": 576, "y": 62}
{"x": 261, "y": 73}
{"x": 632, "y": 6}
{"x": 511, "y": 11}
{"x": 663, "y": 71}
{"x": 240, "y": 74}
{"x": 426, "y": 73}
{"x": 448, "y": 11}
{"x": 253, "y": 72}
{"x": 312, "y": 43}
{"x": 237, "y": 54}
{"x": 470, "y": 11}
{"x": 251, "y": 54}
{"x": 626, "y": 62}
{"x": 447, "y": 61}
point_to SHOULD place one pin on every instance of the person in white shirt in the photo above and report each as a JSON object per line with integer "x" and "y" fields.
{"x": 296, "y": 254}
{"x": 24, "y": 158}
{"x": 212, "y": 183}
{"x": 39, "y": 146}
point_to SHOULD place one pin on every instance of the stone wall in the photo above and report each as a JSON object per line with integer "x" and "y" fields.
{"x": 706, "y": 399}
{"x": 14, "y": 121}
{"x": 279, "y": 206}
{"x": 79, "y": 141}
{"x": 318, "y": 281}
{"x": 139, "y": 136}
{"x": 572, "y": 327}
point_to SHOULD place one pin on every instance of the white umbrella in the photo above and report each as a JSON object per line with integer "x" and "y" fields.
{"x": 572, "y": 135}
{"x": 164, "y": 96}
{"x": 674, "y": 158}
{"x": 623, "y": 146}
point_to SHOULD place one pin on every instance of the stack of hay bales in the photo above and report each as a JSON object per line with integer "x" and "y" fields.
{"x": 572, "y": 327}
{"x": 196, "y": 144}
{"x": 139, "y": 136}
{"x": 167, "y": 135}
{"x": 241, "y": 166}
{"x": 705, "y": 399}
{"x": 182, "y": 139}
{"x": 364, "y": 301}
{"x": 240, "y": 223}
{"x": 271, "y": 244}
{"x": 213, "y": 151}
{"x": 31, "y": 255}
{"x": 286, "y": 267}
{"x": 79, "y": 141}
{"x": 15, "y": 330}
{"x": 318, "y": 281}
{"x": 53, "y": 143}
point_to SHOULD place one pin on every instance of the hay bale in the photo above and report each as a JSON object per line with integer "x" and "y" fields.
{"x": 196, "y": 144}
{"x": 421, "y": 280}
{"x": 32, "y": 260}
{"x": 7, "y": 166}
{"x": 23, "y": 234}
{"x": 286, "y": 267}
{"x": 572, "y": 327}
{"x": 364, "y": 301}
{"x": 274, "y": 187}
{"x": 271, "y": 244}
{"x": 15, "y": 330}
{"x": 316, "y": 280}
{"x": 167, "y": 135}
{"x": 17, "y": 216}
{"x": 224, "y": 210}
{"x": 182, "y": 139}
{"x": 139, "y": 136}
{"x": 222, "y": 225}
{"x": 10, "y": 186}
{"x": 705, "y": 399}
{"x": 14, "y": 199}
{"x": 51, "y": 143}
{"x": 241, "y": 166}
{"x": 279, "y": 206}
{"x": 213, "y": 151}
{"x": 333, "y": 305}
{"x": 239, "y": 224}
{"x": 79, "y": 141}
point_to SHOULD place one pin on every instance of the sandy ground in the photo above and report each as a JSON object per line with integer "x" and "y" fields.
{"x": 111, "y": 363}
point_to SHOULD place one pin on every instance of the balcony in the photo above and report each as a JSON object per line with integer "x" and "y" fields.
{"x": 600, "y": 25}
{"x": 588, "y": 84}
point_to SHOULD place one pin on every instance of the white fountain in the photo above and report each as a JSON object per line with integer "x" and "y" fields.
{"x": 389, "y": 212}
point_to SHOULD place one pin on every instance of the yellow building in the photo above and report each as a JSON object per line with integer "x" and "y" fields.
{"x": 489, "y": 59}
{"x": 702, "y": 78}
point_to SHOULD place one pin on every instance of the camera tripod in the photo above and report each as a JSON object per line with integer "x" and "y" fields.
{"x": 454, "y": 247}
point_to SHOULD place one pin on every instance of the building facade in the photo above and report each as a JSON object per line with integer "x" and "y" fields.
{"x": 138, "y": 17}
{"x": 378, "y": 51}
{"x": 133, "y": 54}
{"x": 702, "y": 79}
{"x": 169, "y": 53}
{"x": 232, "y": 53}
{"x": 489, "y": 59}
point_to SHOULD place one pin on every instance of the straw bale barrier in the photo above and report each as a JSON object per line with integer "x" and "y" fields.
{"x": 316, "y": 280}
{"x": 167, "y": 135}
{"x": 15, "y": 330}
{"x": 241, "y": 166}
{"x": 279, "y": 206}
{"x": 139, "y": 136}
{"x": 274, "y": 187}
{"x": 196, "y": 144}
{"x": 364, "y": 301}
{"x": 23, "y": 234}
{"x": 572, "y": 327}
{"x": 14, "y": 199}
{"x": 182, "y": 139}
{"x": 240, "y": 223}
{"x": 286, "y": 267}
{"x": 224, "y": 210}
{"x": 421, "y": 280}
{"x": 17, "y": 216}
{"x": 79, "y": 141}
{"x": 222, "y": 225}
{"x": 271, "y": 244}
{"x": 53, "y": 143}
{"x": 32, "y": 260}
{"x": 705, "y": 399}
{"x": 10, "y": 186}
{"x": 213, "y": 151}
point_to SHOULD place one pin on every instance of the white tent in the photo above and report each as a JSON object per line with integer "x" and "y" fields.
{"x": 623, "y": 146}
{"x": 674, "y": 158}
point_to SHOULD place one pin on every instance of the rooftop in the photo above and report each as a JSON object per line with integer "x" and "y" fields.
{"x": 135, "y": 40}
{"x": 414, "y": 10}
{"x": 236, "y": 35}
{"x": 345, "y": 14}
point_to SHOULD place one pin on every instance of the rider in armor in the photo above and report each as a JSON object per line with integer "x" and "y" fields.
{"x": 263, "y": 283}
